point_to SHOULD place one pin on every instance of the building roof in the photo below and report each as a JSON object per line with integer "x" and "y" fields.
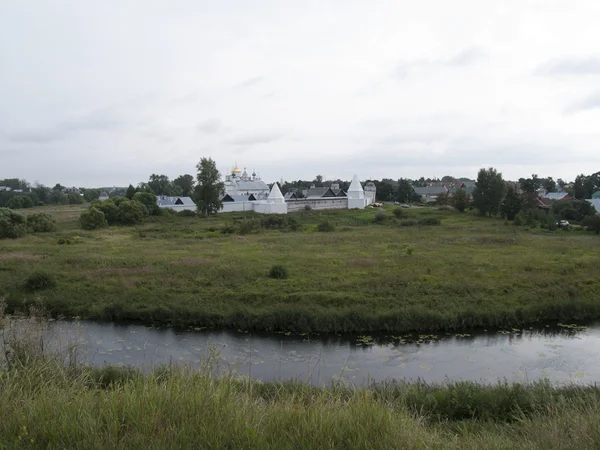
{"x": 275, "y": 195}
{"x": 4, "y": 188}
{"x": 595, "y": 203}
{"x": 319, "y": 192}
{"x": 556, "y": 195}
{"x": 238, "y": 198}
{"x": 430, "y": 190}
{"x": 355, "y": 186}
{"x": 596, "y": 195}
{"x": 248, "y": 185}
{"x": 163, "y": 200}
{"x": 290, "y": 196}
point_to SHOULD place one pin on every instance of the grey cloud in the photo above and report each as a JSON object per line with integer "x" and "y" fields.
{"x": 210, "y": 126}
{"x": 466, "y": 57}
{"x": 590, "y": 102}
{"x": 35, "y": 137}
{"x": 570, "y": 66}
{"x": 255, "y": 138}
{"x": 250, "y": 82}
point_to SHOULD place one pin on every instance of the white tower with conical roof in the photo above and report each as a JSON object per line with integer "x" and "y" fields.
{"x": 356, "y": 194}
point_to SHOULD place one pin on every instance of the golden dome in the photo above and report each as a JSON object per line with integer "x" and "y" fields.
{"x": 237, "y": 170}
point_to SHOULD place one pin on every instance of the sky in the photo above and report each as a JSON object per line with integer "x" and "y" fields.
{"x": 106, "y": 93}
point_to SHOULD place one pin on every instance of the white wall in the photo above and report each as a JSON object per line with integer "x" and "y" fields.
{"x": 237, "y": 206}
{"x": 328, "y": 203}
{"x": 271, "y": 208}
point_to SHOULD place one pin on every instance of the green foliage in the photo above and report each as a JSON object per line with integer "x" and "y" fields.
{"x": 489, "y": 191}
{"x": 185, "y": 213}
{"x": 12, "y": 224}
{"x": 404, "y": 192}
{"x": 75, "y": 199}
{"x": 208, "y": 192}
{"x": 511, "y": 204}
{"x": 593, "y": 222}
{"x": 19, "y": 202}
{"x": 40, "y": 281}
{"x": 130, "y": 212}
{"x": 108, "y": 208}
{"x": 399, "y": 213}
{"x": 131, "y": 191}
{"x": 185, "y": 184}
{"x": 160, "y": 184}
{"x": 408, "y": 223}
{"x": 42, "y": 223}
{"x": 93, "y": 218}
{"x": 326, "y": 227}
{"x": 380, "y": 218}
{"x": 149, "y": 200}
{"x": 430, "y": 221}
{"x": 278, "y": 272}
{"x": 117, "y": 200}
{"x": 89, "y": 195}
{"x": 460, "y": 200}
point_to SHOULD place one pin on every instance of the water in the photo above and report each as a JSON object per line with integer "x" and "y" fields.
{"x": 571, "y": 356}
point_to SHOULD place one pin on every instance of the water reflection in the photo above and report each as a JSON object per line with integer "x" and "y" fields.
{"x": 561, "y": 356}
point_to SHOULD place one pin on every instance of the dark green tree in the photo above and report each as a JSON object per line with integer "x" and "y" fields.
{"x": 511, "y": 205}
{"x": 185, "y": 183}
{"x": 89, "y": 195}
{"x": 318, "y": 181}
{"x": 130, "y": 212}
{"x": 593, "y": 222}
{"x": 130, "y": 192}
{"x": 92, "y": 218}
{"x": 148, "y": 200}
{"x": 210, "y": 188}
{"x": 460, "y": 200}
{"x": 404, "y": 192}
{"x": 489, "y": 191}
{"x": 160, "y": 184}
{"x": 549, "y": 184}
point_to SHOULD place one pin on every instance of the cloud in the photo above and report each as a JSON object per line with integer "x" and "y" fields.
{"x": 210, "y": 126}
{"x": 466, "y": 57}
{"x": 255, "y": 138}
{"x": 569, "y": 66}
{"x": 590, "y": 102}
{"x": 250, "y": 82}
{"x": 35, "y": 137}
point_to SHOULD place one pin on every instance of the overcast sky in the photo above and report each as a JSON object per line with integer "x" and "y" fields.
{"x": 101, "y": 93}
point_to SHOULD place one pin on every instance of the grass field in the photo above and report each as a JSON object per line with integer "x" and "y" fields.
{"x": 364, "y": 276}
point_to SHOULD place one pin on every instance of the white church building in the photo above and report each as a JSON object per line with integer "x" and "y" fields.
{"x": 239, "y": 197}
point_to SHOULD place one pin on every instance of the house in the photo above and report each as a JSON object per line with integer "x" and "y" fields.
{"x": 321, "y": 192}
{"x": 238, "y": 183}
{"x": 4, "y": 189}
{"x": 430, "y": 193}
{"x": 290, "y": 196}
{"x": 71, "y": 190}
{"x": 595, "y": 203}
{"x": 556, "y": 196}
{"x": 103, "y": 196}
{"x": 596, "y": 195}
{"x": 176, "y": 203}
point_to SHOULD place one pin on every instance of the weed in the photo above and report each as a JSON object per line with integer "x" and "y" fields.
{"x": 278, "y": 272}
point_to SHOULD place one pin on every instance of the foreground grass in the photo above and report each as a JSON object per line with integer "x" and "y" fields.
{"x": 45, "y": 405}
{"x": 363, "y": 277}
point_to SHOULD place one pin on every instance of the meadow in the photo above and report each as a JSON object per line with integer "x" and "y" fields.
{"x": 368, "y": 275}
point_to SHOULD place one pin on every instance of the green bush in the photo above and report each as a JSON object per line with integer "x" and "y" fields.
{"x": 430, "y": 221}
{"x": 184, "y": 213}
{"x": 399, "y": 213}
{"x": 325, "y": 227}
{"x": 92, "y": 219}
{"x": 278, "y": 272}
{"x": 75, "y": 199}
{"x": 130, "y": 212}
{"x": 249, "y": 226}
{"x": 149, "y": 200}
{"x": 109, "y": 208}
{"x": 39, "y": 281}
{"x": 41, "y": 223}
{"x": 408, "y": 223}
{"x": 12, "y": 224}
{"x": 380, "y": 218}
{"x": 519, "y": 219}
{"x": 20, "y": 201}
{"x": 118, "y": 200}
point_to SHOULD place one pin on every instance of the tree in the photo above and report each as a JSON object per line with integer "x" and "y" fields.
{"x": 511, "y": 204}
{"x": 12, "y": 224}
{"x": 130, "y": 212}
{"x": 530, "y": 185}
{"x": 108, "y": 209}
{"x": 89, "y": 195}
{"x": 41, "y": 222}
{"x": 209, "y": 188}
{"x": 160, "y": 184}
{"x": 92, "y": 218}
{"x": 130, "y": 192}
{"x": 460, "y": 200}
{"x": 489, "y": 191}
{"x": 593, "y": 222}
{"x": 404, "y": 191}
{"x": 148, "y": 200}
{"x": 185, "y": 183}
{"x": 318, "y": 181}
{"x": 549, "y": 184}
{"x": 58, "y": 187}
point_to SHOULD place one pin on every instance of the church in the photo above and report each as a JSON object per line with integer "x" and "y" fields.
{"x": 245, "y": 193}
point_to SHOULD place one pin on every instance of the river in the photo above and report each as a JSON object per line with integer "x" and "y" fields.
{"x": 557, "y": 354}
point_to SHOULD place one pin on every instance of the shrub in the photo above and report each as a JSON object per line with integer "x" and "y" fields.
{"x": 519, "y": 219}
{"x": 408, "y": 223}
{"x": 380, "y": 218}
{"x": 307, "y": 208}
{"x": 39, "y": 281}
{"x": 430, "y": 221}
{"x": 93, "y": 218}
{"x": 409, "y": 251}
{"x": 249, "y": 226}
{"x": 593, "y": 223}
{"x": 399, "y": 213}
{"x": 325, "y": 227}
{"x": 149, "y": 200}
{"x": 41, "y": 223}
{"x": 278, "y": 272}
{"x": 228, "y": 229}
{"x": 109, "y": 208}
{"x": 118, "y": 200}
{"x": 130, "y": 212}
{"x": 184, "y": 213}
{"x": 20, "y": 201}
{"x": 12, "y": 224}
{"x": 75, "y": 199}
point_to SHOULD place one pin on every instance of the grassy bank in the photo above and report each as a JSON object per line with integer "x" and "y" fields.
{"x": 362, "y": 277}
{"x": 45, "y": 405}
